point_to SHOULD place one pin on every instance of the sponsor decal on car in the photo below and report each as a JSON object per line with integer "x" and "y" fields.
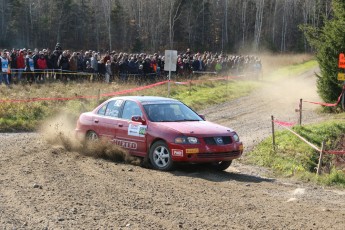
{"x": 126, "y": 144}
{"x": 195, "y": 150}
{"x": 177, "y": 152}
{"x": 137, "y": 130}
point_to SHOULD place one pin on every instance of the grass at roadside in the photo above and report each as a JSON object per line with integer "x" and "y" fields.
{"x": 295, "y": 158}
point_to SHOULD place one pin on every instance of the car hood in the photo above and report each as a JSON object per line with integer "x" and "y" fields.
{"x": 196, "y": 127}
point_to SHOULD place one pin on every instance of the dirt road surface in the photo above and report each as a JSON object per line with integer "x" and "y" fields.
{"x": 45, "y": 186}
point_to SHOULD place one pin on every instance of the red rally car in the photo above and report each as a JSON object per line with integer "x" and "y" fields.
{"x": 163, "y": 129}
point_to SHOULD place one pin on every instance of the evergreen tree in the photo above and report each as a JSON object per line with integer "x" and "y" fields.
{"x": 329, "y": 41}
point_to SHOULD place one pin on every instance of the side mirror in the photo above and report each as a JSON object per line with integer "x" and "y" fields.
{"x": 138, "y": 118}
{"x": 202, "y": 116}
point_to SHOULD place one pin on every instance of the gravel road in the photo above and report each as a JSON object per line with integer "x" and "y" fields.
{"x": 45, "y": 186}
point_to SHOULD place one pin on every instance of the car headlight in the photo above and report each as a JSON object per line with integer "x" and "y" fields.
{"x": 186, "y": 140}
{"x": 236, "y": 137}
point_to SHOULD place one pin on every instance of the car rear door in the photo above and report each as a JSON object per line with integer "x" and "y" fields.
{"x": 131, "y": 135}
{"x": 105, "y": 121}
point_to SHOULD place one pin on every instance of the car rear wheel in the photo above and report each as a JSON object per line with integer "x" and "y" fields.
{"x": 221, "y": 165}
{"x": 91, "y": 136}
{"x": 160, "y": 156}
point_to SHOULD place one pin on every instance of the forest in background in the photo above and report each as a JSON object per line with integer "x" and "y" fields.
{"x": 154, "y": 25}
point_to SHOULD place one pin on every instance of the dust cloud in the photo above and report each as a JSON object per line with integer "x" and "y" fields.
{"x": 59, "y": 131}
{"x": 283, "y": 95}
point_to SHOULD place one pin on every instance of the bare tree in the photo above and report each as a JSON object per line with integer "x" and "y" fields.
{"x": 244, "y": 20}
{"x": 258, "y": 23}
{"x": 174, "y": 14}
{"x": 107, "y": 7}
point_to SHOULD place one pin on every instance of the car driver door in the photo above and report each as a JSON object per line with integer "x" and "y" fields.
{"x": 131, "y": 135}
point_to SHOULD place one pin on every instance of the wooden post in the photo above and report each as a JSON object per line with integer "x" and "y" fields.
{"x": 190, "y": 88}
{"x": 300, "y": 111}
{"x": 273, "y": 135}
{"x": 99, "y": 96}
{"x": 343, "y": 98}
{"x": 318, "y": 172}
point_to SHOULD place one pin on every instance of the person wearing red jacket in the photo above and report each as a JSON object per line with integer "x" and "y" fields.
{"x": 20, "y": 65}
{"x": 42, "y": 66}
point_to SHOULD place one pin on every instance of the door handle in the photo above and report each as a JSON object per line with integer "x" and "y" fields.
{"x": 120, "y": 125}
{"x": 96, "y": 120}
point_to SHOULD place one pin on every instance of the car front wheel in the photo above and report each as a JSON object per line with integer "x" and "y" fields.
{"x": 160, "y": 156}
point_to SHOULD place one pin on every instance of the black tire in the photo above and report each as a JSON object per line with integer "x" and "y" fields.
{"x": 221, "y": 165}
{"x": 160, "y": 156}
{"x": 91, "y": 136}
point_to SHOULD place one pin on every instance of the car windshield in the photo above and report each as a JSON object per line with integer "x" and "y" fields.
{"x": 170, "y": 112}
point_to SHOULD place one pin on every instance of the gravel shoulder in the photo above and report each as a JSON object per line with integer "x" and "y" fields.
{"x": 44, "y": 186}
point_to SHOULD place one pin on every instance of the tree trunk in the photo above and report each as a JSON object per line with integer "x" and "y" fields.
{"x": 244, "y": 21}
{"x": 258, "y": 23}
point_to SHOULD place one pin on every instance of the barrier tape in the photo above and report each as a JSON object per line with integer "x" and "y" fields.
{"x": 329, "y": 104}
{"x": 336, "y": 152}
{"x": 285, "y": 125}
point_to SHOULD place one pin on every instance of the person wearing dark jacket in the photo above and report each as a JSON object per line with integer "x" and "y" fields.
{"x": 29, "y": 67}
{"x": 13, "y": 64}
{"x": 63, "y": 64}
{"x": 123, "y": 67}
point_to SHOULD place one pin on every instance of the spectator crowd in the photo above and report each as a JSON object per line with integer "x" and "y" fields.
{"x": 34, "y": 66}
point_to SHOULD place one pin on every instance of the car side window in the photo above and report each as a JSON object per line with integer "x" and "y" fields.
{"x": 101, "y": 111}
{"x": 111, "y": 109}
{"x": 130, "y": 109}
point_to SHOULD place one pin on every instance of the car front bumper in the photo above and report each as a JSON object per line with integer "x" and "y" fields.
{"x": 205, "y": 153}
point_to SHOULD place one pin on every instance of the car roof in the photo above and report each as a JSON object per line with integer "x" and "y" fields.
{"x": 147, "y": 99}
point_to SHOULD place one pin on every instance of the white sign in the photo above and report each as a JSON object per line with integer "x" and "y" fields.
{"x": 137, "y": 130}
{"x": 170, "y": 60}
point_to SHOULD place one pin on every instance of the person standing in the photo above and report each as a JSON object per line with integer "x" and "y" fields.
{"x": 94, "y": 65}
{"x": 63, "y": 64}
{"x": 4, "y": 69}
{"x": 108, "y": 72}
{"x": 29, "y": 67}
{"x": 20, "y": 65}
{"x": 42, "y": 66}
{"x": 13, "y": 64}
{"x": 73, "y": 66}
